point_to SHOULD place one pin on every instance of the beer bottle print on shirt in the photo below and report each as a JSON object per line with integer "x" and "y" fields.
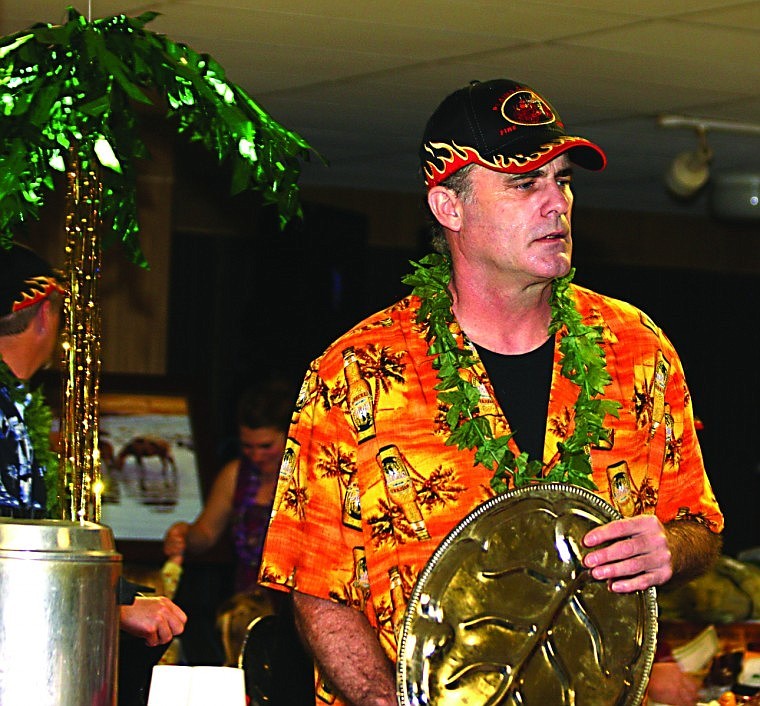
{"x": 657, "y": 391}
{"x": 358, "y": 397}
{"x": 621, "y": 488}
{"x": 288, "y": 473}
{"x": 398, "y": 603}
{"x": 401, "y": 490}
{"x": 352, "y": 511}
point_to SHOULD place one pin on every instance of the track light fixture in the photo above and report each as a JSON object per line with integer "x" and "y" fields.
{"x": 689, "y": 171}
{"x": 708, "y": 124}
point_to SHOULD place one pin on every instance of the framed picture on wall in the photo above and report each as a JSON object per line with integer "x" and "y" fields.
{"x": 153, "y": 459}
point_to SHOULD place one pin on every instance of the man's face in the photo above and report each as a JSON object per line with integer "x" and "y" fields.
{"x": 517, "y": 225}
{"x": 264, "y": 446}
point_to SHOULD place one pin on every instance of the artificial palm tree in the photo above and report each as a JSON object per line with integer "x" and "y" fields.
{"x": 69, "y": 98}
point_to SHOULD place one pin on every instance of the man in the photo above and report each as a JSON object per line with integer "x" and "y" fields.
{"x": 30, "y": 302}
{"x": 30, "y": 310}
{"x": 389, "y": 451}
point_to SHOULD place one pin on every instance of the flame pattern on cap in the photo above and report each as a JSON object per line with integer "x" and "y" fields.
{"x": 37, "y": 289}
{"x": 453, "y": 157}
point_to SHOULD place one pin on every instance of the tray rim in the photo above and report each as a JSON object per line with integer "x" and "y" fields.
{"x": 649, "y": 596}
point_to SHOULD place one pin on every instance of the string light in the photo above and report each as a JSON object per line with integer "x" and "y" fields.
{"x": 80, "y": 460}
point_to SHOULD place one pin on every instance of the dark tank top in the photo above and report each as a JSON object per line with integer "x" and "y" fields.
{"x": 249, "y": 525}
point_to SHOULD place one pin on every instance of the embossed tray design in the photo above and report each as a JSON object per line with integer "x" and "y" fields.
{"x": 505, "y": 613}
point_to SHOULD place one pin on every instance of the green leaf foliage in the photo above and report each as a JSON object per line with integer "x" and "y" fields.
{"x": 76, "y": 86}
{"x": 583, "y": 362}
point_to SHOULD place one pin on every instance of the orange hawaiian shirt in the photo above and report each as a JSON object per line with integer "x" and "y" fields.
{"x": 368, "y": 487}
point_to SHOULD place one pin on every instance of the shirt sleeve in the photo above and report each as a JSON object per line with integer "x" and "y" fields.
{"x": 685, "y": 490}
{"x": 307, "y": 547}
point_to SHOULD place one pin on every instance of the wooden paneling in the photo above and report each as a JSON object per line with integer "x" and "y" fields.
{"x": 134, "y": 301}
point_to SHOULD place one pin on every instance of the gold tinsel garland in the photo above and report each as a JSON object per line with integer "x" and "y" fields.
{"x": 80, "y": 458}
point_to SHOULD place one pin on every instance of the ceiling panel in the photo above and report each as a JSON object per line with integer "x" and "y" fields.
{"x": 684, "y": 54}
{"x": 359, "y": 79}
{"x": 744, "y": 16}
{"x": 361, "y": 37}
{"x": 652, "y": 8}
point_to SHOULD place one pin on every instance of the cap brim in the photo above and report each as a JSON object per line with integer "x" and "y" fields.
{"x": 581, "y": 151}
{"x": 37, "y": 289}
{"x": 446, "y": 159}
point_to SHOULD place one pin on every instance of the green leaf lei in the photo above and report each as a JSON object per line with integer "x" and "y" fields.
{"x": 37, "y": 419}
{"x": 583, "y": 362}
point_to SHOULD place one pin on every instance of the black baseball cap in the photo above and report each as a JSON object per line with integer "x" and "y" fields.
{"x": 25, "y": 279}
{"x": 502, "y": 125}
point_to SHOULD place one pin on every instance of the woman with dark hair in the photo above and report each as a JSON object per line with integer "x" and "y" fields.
{"x": 242, "y": 494}
{"x": 241, "y": 498}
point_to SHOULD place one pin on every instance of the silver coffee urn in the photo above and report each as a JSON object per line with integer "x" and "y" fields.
{"x": 59, "y": 613}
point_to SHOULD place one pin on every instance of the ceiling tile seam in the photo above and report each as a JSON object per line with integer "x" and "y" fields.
{"x": 717, "y": 25}
{"x": 714, "y": 11}
{"x": 444, "y": 61}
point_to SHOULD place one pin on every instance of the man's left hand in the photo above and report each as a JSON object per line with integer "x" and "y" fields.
{"x": 156, "y": 619}
{"x": 636, "y": 554}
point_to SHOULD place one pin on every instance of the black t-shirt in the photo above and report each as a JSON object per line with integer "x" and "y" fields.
{"x": 522, "y": 384}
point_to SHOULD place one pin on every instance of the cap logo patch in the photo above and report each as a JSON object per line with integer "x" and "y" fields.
{"x": 526, "y": 108}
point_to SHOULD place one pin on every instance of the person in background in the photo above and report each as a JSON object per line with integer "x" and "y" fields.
{"x": 382, "y": 461}
{"x": 242, "y": 493}
{"x": 30, "y": 310}
{"x": 30, "y": 313}
{"x": 669, "y": 685}
{"x": 241, "y": 500}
